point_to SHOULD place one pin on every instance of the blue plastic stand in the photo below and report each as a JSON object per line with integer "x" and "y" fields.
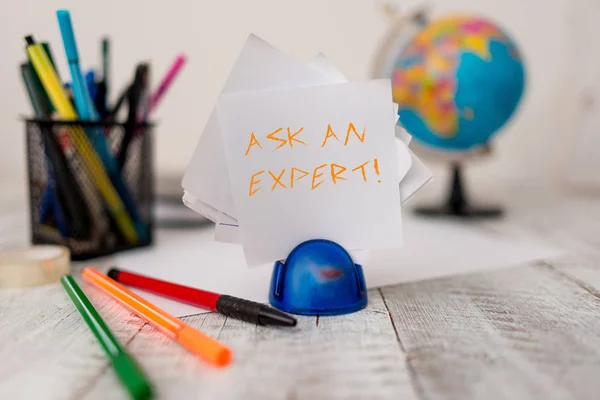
{"x": 318, "y": 278}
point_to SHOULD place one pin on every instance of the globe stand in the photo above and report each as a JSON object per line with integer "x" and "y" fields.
{"x": 457, "y": 204}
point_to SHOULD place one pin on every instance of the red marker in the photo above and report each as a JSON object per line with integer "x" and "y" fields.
{"x": 230, "y": 306}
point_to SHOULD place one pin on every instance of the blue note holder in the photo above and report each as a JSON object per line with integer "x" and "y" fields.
{"x": 318, "y": 278}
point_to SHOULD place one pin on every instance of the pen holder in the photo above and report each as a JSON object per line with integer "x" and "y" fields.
{"x": 80, "y": 195}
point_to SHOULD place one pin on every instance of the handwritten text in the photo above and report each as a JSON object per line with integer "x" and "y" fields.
{"x": 289, "y": 178}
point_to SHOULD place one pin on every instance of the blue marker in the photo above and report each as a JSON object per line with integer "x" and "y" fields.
{"x": 90, "y": 81}
{"x": 83, "y": 102}
{"x": 87, "y": 112}
{"x": 50, "y": 203}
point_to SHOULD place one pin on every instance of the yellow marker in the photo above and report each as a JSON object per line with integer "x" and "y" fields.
{"x": 52, "y": 85}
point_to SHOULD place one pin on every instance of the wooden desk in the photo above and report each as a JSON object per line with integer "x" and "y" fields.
{"x": 531, "y": 331}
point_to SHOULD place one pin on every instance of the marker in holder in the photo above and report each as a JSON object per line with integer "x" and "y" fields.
{"x": 318, "y": 277}
{"x": 66, "y": 181}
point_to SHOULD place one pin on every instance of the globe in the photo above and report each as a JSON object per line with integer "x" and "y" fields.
{"x": 457, "y": 81}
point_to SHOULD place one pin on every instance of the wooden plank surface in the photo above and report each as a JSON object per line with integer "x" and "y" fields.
{"x": 525, "y": 332}
{"x": 46, "y": 351}
{"x": 531, "y": 331}
{"x": 353, "y": 356}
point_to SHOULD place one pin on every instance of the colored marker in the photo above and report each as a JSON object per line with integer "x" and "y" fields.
{"x": 93, "y": 203}
{"x": 192, "y": 339}
{"x": 43, "y": 109}
{"x": 136, "y": 113}
{"x": 57, "y": 95}
{"x": 100, "y": 99}
{"x": 167, "y": 81}
{"x": 62, "y": 187}
{"x": 90, "y": 83}
{"x": 49, "y": 202}
{"x": 45, "y": 100}
{"x": 112, "y": 114}
{"x": 87, "y": 111}
{"x": 83, "y": 101}
{"x": 125, "y": 367}
{"x": 230, "y": 306}
{"x": 105, "y": 64}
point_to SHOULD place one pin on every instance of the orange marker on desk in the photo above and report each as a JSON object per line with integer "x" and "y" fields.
{"x": 192, "y": 339}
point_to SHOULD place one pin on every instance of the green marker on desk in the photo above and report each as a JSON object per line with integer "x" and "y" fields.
{"x": 125, "y": 367}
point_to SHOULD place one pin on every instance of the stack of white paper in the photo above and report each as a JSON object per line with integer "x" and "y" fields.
{"x": 293, "y": 151}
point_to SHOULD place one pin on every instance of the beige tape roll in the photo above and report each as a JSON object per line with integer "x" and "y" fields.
{"x": 33, "y": 266}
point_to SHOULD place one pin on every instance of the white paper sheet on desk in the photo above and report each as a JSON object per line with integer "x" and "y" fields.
{"x": 434, "y": 248}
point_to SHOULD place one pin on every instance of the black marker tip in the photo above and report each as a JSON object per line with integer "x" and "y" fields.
{"x": 113, "y": 274}
{"x": 29, "y": 39}
{"x": 270, "y": 316}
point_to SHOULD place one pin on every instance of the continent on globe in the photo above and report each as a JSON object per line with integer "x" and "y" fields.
{"x": 456, "y": 82}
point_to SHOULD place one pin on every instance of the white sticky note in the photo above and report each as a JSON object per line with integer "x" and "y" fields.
{"x": 402, "y": 134}
{"x": 404, "y": 157}
{"x": 207, "y": 176}
{"x": 322, "y": 134}
{"x": 417, "y": 176}
{"x": 228, "y": 231}
{"x": 322, "y": 64}
{"x": 209, "y": 212}
{"x": 259, "y": 66}
{"x": 413, "y": 175}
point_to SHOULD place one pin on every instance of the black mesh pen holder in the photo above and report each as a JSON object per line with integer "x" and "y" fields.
{"x": 90, "y": 185}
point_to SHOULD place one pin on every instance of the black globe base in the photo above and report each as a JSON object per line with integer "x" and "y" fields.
{"x": 457, "y": 204}
{"x": 468, "y": 212}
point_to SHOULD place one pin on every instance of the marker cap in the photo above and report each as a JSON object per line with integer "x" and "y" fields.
{"x": 204, "y": 346}
{"x": 66, "y": 30}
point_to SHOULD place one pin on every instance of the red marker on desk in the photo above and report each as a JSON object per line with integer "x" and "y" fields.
{"x": 230, "y": 306}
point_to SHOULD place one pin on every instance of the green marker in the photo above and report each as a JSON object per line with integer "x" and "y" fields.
{"x": 105, "y": 60}
{"x": 125, "y": 367}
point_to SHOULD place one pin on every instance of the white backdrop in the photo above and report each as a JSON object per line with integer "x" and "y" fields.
{"x": 212, "y": 32}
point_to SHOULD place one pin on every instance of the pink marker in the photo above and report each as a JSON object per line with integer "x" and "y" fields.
{"x": 167, "y": 81}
